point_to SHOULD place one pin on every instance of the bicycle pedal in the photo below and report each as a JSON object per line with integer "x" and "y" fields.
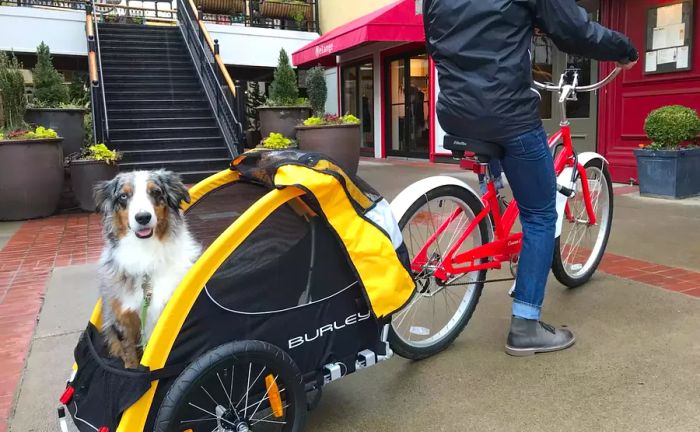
{"x": 512, "y": 289}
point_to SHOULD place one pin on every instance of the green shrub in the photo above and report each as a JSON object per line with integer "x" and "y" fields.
{"x": 14, "y": 101}
{"x": 284, "y": 90}
{"x": 23, "y": 134}
{"x": 100, "y": 152}
{"x": 671, "y": 126}
{"x": 317, "y": 90}
{"x": 78, "y": 92}
{"x": 49, "y": 89}
{"x": 331, "y": 119}
{"x": 277, "y": 141}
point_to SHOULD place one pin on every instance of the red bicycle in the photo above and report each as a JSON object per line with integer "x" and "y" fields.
{"x": 454, "y": 235}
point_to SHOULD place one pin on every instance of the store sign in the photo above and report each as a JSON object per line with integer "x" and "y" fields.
{"x": 669, "y": 41}
{"x": 324, "y": 49}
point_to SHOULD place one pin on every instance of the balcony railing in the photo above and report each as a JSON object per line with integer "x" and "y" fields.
{"x": 300, "y": 15}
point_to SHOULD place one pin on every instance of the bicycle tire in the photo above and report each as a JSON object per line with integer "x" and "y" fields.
{"x": 192, "y": 380}
{"x": 561, "y": 269}
{"x": 475, "y": 206}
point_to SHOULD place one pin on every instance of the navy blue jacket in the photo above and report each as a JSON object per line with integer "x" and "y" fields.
{"x": 482, "y": 52}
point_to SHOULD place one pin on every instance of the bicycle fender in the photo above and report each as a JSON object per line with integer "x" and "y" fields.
{"x": 585, "y": 157}
{"x": 564, "y": 179}
{"x": 404, "y": 200}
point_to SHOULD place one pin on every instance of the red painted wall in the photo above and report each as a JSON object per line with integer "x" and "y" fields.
{"x": 625, "y": 103}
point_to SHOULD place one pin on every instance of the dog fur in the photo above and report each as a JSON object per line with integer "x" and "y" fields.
{"x": 142, "y": 253}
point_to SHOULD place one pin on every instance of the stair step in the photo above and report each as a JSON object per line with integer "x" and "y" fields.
{"x": 146, "y": 61}
{"x": 155, "y": 155}
{"x": 165, "y": 132}
{"x": 150, "y": 78}
{"x": 114, "y": 95}
{"x": 166, "y": 143}
{"x": 153, "y": 86}
{"x": 201, "y": 103}
{"x": 137, "y": 27}
{"x": 128, "y": 70}
{"x": 129, "y": 56}
{"x": 207, "y": 164}
{"x": 112, "y": 46}
{"x": 154, "y": 113}
{"x": 132, "y": 43}
{"x": 138, "y": 38}
{"x": 146, "y": 123}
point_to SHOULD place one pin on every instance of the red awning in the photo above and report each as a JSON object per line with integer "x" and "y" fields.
{"x": 396, "y": 22}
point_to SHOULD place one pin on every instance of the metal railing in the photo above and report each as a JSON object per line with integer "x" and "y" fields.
{"x": 218, "y": 85}
{"x": 277, "y": 14}
{"x": 58, "y": 4}
{"x": 98, "y": 102}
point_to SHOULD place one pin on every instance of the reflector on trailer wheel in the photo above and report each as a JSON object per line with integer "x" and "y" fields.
{"x": 273, "y": 394}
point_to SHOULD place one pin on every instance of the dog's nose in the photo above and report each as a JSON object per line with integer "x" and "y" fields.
{"x": 143, "y": 218}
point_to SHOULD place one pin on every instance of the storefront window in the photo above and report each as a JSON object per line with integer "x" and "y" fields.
{"x": 358, "y": 98}
{"x": 409, "y": 102}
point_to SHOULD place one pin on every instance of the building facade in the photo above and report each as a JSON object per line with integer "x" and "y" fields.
{"x": 378, "y": 70}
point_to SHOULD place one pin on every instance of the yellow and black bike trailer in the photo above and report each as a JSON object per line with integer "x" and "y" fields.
{"x": 300, "y": 273}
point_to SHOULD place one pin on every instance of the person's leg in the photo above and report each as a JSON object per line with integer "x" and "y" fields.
{"x": 530, "y": 169}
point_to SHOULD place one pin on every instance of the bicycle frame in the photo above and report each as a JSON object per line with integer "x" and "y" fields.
{"x": 506, "y": 245}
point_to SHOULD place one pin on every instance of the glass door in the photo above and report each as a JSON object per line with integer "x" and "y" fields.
{"x": 408, "y": 105}
{"x": 358, "y": 100}
{"x": 548, "y": 63}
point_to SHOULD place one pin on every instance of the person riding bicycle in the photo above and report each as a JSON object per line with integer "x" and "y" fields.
{"x": 482, "y": 52}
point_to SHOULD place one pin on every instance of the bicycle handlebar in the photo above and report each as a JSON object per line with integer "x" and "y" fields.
{"x": 588, "y": 88}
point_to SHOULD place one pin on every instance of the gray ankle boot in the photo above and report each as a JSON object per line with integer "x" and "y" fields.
{"x": 529, "y": 337}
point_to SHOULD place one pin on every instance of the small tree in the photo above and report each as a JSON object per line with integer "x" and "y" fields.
{"x": 14, "y": 102}
{"x": 670, "y": 126}
{"x": 317, "y": 90}
{"x": 284, "y": 90}
{"x": 49, "y": 89}
{"x": 255, "y": 99}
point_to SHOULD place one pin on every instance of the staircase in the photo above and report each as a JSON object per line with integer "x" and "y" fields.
{"x": 158, "y": 113}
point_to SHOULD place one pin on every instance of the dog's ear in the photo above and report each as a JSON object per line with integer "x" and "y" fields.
{"x": 173, "y": 189}
{"x": 103, "y": 193}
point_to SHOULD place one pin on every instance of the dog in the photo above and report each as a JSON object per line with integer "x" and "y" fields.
{"x": 148, "y": 250}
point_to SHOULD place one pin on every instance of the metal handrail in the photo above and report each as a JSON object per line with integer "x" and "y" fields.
{"x": 98, "y": 101}
{"x": 196, "y": 37}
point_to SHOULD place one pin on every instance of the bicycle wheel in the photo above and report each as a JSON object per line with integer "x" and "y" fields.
{"x": 236, "y": 387}
{"x": 580, "y": 247}
{"x": 439, "y": 310}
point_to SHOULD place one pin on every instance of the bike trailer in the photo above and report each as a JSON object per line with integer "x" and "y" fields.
{"x": 302, "y": 268}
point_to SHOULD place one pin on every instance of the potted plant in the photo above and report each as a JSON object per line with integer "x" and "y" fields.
{"x": 228, "y": 7}
{"x": 284, "y": 109}
{"x": 255, "y": 98}
{"x": 51, "y": 105}
{"x": 282, "y": 9}
{"x": 96, "y": 163}
{"x": 337, "y": 137}
{"x": 670, "y": 165}
{"x": 277, "y": 141}
{"x": 31, "y": 162}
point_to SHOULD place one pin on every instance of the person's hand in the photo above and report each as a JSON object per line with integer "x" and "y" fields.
{"x": 627, "y": 66}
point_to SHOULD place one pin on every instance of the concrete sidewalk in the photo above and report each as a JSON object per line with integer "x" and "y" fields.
{"x": 634, "y": 367}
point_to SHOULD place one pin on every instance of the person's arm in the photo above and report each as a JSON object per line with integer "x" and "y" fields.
{"x": 569, "y": 26}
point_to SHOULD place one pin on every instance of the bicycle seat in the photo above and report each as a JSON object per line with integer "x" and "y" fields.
{"x": 483, "y": 151}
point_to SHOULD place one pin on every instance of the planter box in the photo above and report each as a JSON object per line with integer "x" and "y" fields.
{"x": 227, "y": 7}
{"x": 67, "y": 122}
{"x": 282, "y": 120}
{"x": 668, "y": 173}
{"x": 341, "y": 143}
{"x": 31, "y": 178}
{"x": 282, "y": 10}
{"x": 85, "y": 174}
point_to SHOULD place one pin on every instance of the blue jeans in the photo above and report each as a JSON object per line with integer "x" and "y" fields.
{"x": 529, "y": 167}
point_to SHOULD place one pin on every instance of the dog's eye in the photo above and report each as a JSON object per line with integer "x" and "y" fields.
{"x": 123, "y": 197}
{"x": 156, "y": 193}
